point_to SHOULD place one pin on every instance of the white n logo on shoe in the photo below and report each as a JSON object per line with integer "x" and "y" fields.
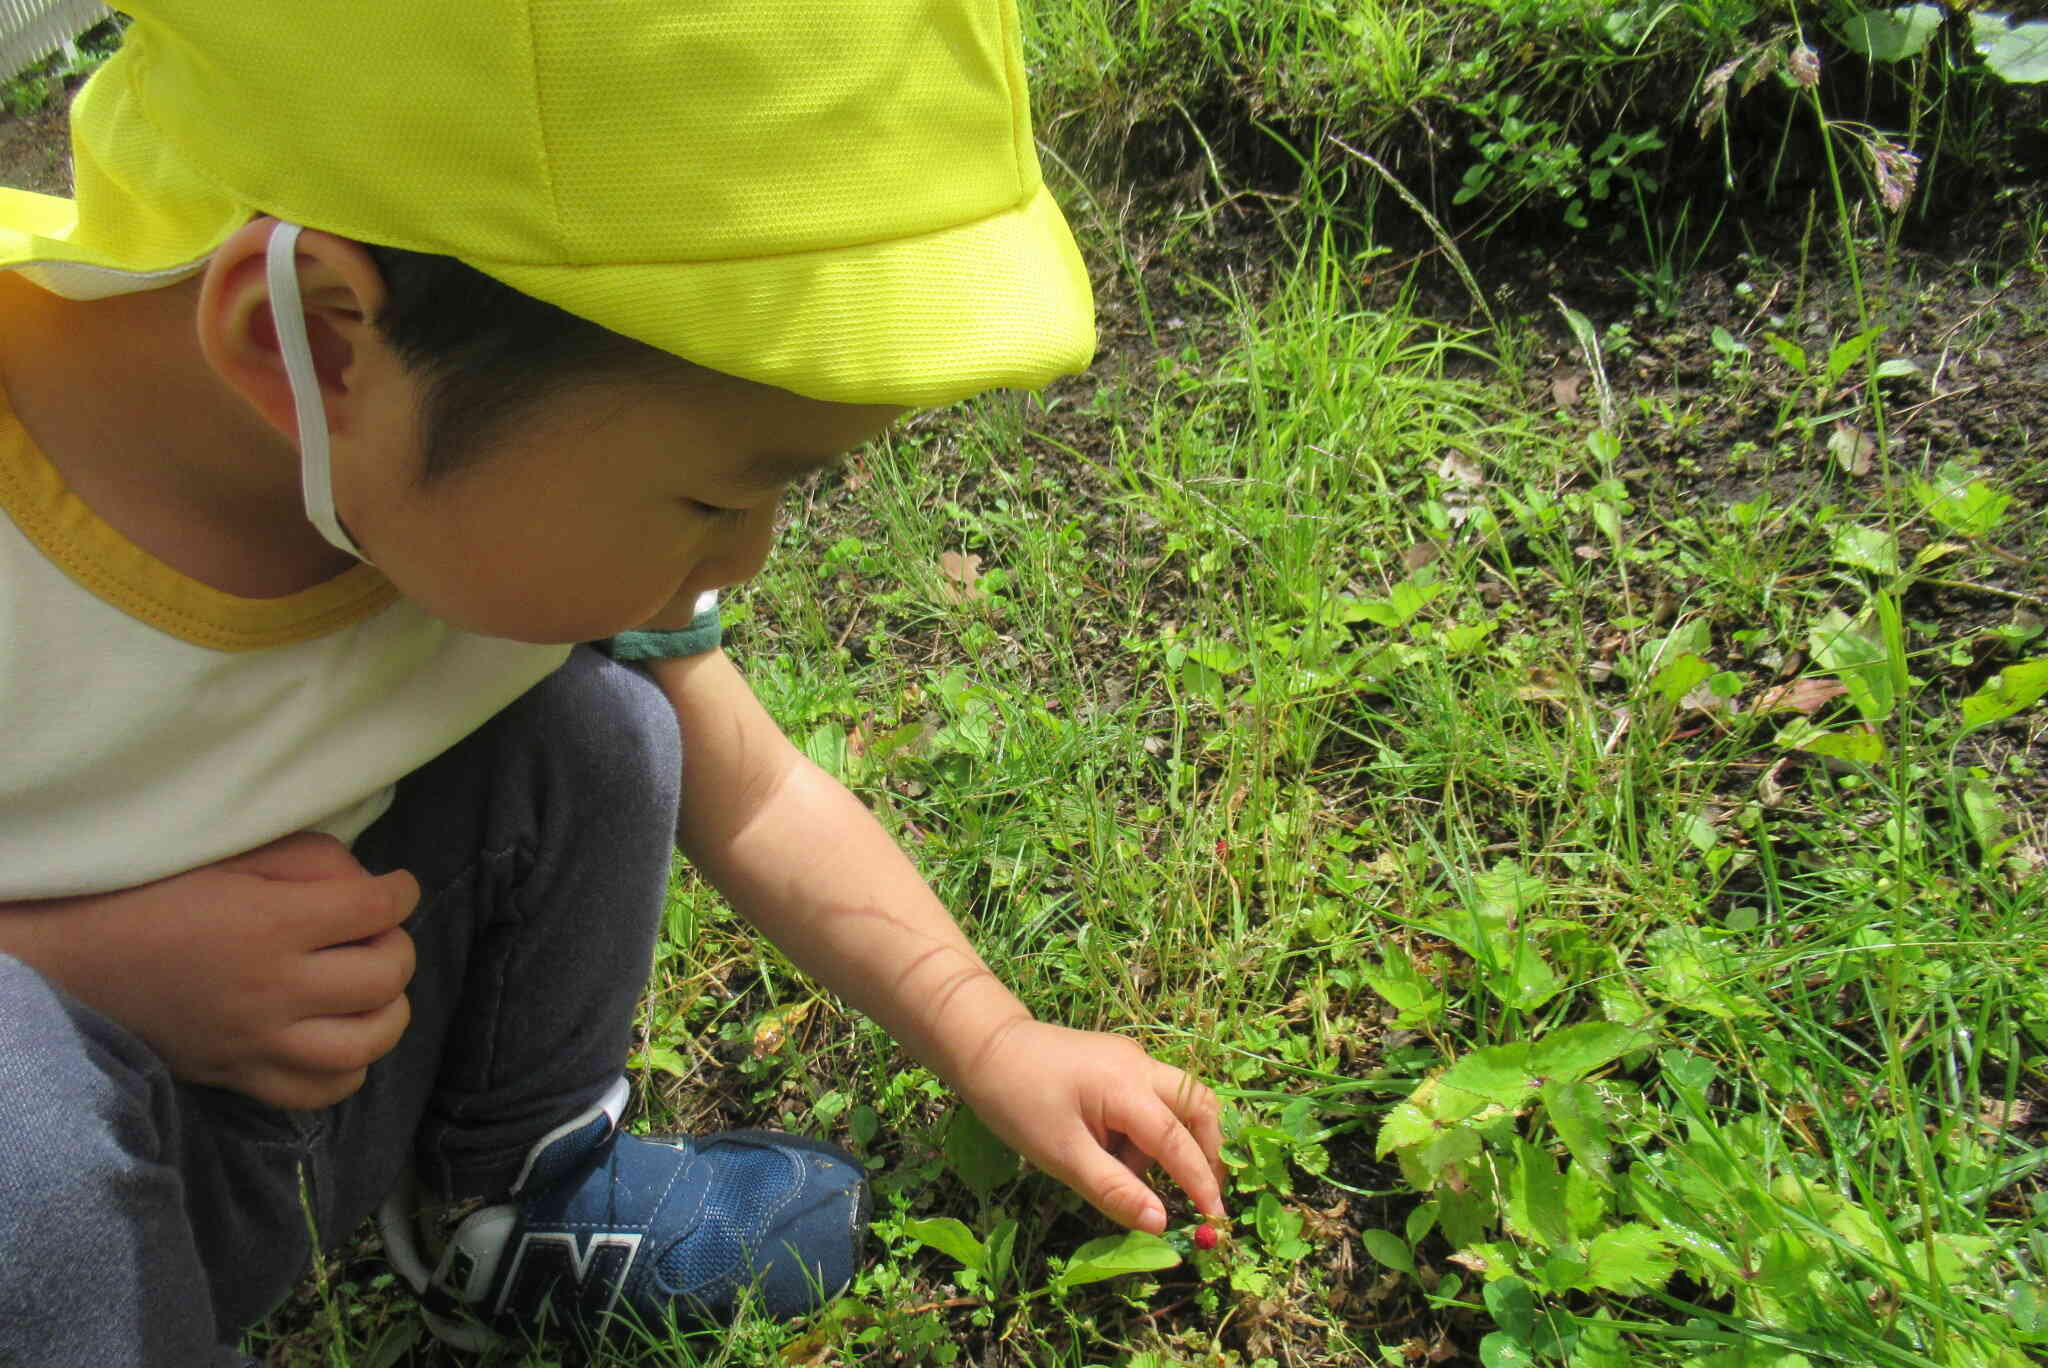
{"x": 581, "y": 1278}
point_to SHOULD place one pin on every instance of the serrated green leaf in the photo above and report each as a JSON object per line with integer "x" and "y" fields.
{"x": 1390, "y": 1249}
{"x": 1893, "y": 35}
{"x": 982, "y": 1161}
{"x": 1632, "y": 1259}
{"x": 1406, "y": 1124}
{"x": 1498, "y": 1073}
{"x": 950, "y": 1238}
{"x": 1134, "y": 1251}
{"x": 2012, "y": 689}
{"x": 1572, "y": 1053}
{"x": 1961, "y": 502}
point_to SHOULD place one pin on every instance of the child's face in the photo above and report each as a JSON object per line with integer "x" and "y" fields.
{"x": 607, "y": 506}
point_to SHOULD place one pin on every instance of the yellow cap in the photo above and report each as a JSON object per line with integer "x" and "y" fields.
{"x": 838, "y": 197}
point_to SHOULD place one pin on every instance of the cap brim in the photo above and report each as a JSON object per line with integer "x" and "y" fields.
{"x": 922, "y": 321}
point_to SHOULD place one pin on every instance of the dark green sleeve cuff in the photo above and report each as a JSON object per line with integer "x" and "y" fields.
{"x": 703, "y": 634}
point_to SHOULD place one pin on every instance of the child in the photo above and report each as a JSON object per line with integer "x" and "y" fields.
{"x": 389, "y": 350}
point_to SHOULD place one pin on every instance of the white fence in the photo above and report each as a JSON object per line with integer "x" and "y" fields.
{"x": 31, "y": 30}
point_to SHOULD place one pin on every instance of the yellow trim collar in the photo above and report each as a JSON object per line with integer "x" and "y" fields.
{"x": 110, "y": 567}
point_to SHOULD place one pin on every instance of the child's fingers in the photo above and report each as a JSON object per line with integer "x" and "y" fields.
{"x": 1197, "y": 1108}
{"x": 1160, "y": 1132}
{"x": 1110, "y": 1186}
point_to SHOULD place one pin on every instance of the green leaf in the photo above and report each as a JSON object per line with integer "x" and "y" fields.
{"x": 1858, "y": 747}
{"x": 1420, "y": 1222}
{"x": 1580, "y": 1119}
{"x": 394, "y": 1345}
{"x": 1527, "y": 981}
{"x": 1512, "y": 1306}
{"x": 2012, "y": 689}
{"x": 1858, "y": 659}
{"x": 950, "y": 1238}
{"x": 1002, "y": 1244}
{"x": 1134, "y": 1251}
{"x": 1277, "y": 1223}
{"x": 2018, "y": 55}
{"x": 659, "y": 1057}
{"x": 1848, "y": 352}
{"x": 1502, "y": 1350}
{"x": 1868, "y": 548}
{"x": 1985, "y": 814}
{"x": 983, "y": 1162}
{"x": 1390, "y": 1249}
{"x": 1788, "y": 351}
{"x": 1498, "y": 1073}
{"x": 1961, "y": 502}
{"x": 1536, "y": 1197}
{"x": 1680, "y": 677}
{"x": 1570, "y": 1054}
{"x": 1893, "y": 35}
{"x": 1632, "y": 1259}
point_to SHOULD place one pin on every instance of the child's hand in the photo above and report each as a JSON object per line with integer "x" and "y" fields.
{"x": 1096, "y": 1112}
{"x": 279, "y": 974}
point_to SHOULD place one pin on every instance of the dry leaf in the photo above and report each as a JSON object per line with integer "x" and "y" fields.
{"x": 2003, "y": 1115}
{"x": 1545, "y": 686}
{"x": 1419, "y": 555}
{"x": 1852, "y": 449}
{"x": 963, "y": 576}
{"x": 1564, "y": 390}
{"x": 1803, "y": 696}
{"x": 1472, "y": 1263}
{"x": 1704, "y": 700}
{"x": 813, "y": 1350}
{"x": 1771, "y": 788}
{"x": 1459, "y": 468}
{"x": 774, "y": 1027}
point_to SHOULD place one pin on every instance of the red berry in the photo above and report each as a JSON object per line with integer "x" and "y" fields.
{"x": 1205, "y": 1237}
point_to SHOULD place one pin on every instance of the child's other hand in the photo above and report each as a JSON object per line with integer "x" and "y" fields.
{"x": 279, "y": 974}
{"x": 1096, "y": 1112}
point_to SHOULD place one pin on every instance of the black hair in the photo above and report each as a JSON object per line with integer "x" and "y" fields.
{"x": 488, "y": 353}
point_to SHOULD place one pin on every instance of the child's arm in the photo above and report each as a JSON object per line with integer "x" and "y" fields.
{"x": 279, "y": 974}
{"x": 800, "y": 857}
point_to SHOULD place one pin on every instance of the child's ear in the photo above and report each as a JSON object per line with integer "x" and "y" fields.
{"x": 341, "y": 289}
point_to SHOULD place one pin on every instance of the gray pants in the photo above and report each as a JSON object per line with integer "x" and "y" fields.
{"x": 147, "y": 1221}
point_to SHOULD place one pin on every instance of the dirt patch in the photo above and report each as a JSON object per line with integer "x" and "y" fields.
{"x": 35, "y": 153}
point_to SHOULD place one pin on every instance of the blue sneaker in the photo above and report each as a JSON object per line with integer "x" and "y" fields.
{"x": 607, "y": 1230}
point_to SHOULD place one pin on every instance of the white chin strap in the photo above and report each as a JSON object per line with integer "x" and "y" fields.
{"x": 316, "y": 473}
